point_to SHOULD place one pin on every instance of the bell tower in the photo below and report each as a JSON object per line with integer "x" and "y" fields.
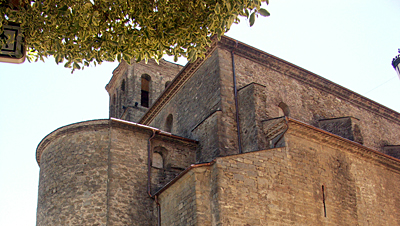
{"x": 134, "y": 88}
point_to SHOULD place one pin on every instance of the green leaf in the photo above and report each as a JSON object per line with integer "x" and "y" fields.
{"x": 252, "y": 18}
{"x": 76, "y": 66}
{"x": 264, "y": 12}
{"x": 68, "y": 64}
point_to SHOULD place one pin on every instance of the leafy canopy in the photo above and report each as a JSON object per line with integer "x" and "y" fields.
{"x": 82, "y": 32}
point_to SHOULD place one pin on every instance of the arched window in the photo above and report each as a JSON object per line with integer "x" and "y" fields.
{"x": 145, "y": 91}
{"x": 159, "y": 158}
{"x": 158, "y": 161}
{"x": 283, "y": 109}
{"x": 123, "y": 86}
{"x": 167, "y": 84}
{"x": 168, "y": 123}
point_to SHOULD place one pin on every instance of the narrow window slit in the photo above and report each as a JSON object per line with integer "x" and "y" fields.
{"x": 323, "y": 199}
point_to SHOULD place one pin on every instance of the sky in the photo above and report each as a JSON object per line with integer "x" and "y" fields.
{"x": 350, "y": 42}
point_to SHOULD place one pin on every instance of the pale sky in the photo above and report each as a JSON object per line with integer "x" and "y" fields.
{"x": 350, "y": 42}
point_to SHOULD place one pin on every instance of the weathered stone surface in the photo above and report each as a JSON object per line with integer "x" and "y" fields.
{"x": 251, "y": 113}
{"x": 306, "y": 159}
{"x": 311, "y": 98}
{"x": 125, "y": 95}
{"x": 95, "y": 173}
{"x": 265, "y": 83}
{"x": 392, "y": 150}
{"x": 346, "y": 127}
{"x": 273, "y": 131}
{"x": 316, "y": 179}
{"x": 197, "y": 100}
{"x": 187, "y": 202}
{"x": 73, "y": 176}
{"x": 209, "y": 148}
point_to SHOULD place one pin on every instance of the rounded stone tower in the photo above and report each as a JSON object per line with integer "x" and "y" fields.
{"x": 73, "y": 164}
{"x": 96, "y": 172}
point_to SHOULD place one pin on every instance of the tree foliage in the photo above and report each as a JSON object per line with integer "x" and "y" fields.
{"x": 81, "y": 32}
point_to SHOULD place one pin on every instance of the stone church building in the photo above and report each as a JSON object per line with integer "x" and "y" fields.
{"x": 240, "y": 137}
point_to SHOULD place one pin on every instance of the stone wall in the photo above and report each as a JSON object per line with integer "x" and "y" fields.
{"x": 346, "y": 127}
{"x": 73, "y": 176}
{"x": 160, "y": 74}
{"x": 176, "y": 157}
{"x": 197, "y": 100}
{"x": 392, "y": 150}
{"x": 316, "y": 180}
{"x": 95, "y": 173}
{"x": 128, "y": 201}
{"x": 228, "y": 134}
{"x": 188, "y": 202}
{"x": 309, "y": 102}
{"x": 251, "y": 113}
{"x": 279, "y": 83}
{"x": 206, "y": 130}
{"x": 178, "y": 204}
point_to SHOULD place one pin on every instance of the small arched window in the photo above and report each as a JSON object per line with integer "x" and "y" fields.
{"x": 168, "y": 123}
{"x": 158, "y": 161}
{"x": 145, "y": 91}
{"x": 167, "y": 84}
{"x": 283, "y": 110}
{"x": 123, "y": 86}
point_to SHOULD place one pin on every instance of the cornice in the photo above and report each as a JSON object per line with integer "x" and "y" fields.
{"x": 297, "y": 128}
{"x": 177, "y": 83}
{"x": 307, "y": 77}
